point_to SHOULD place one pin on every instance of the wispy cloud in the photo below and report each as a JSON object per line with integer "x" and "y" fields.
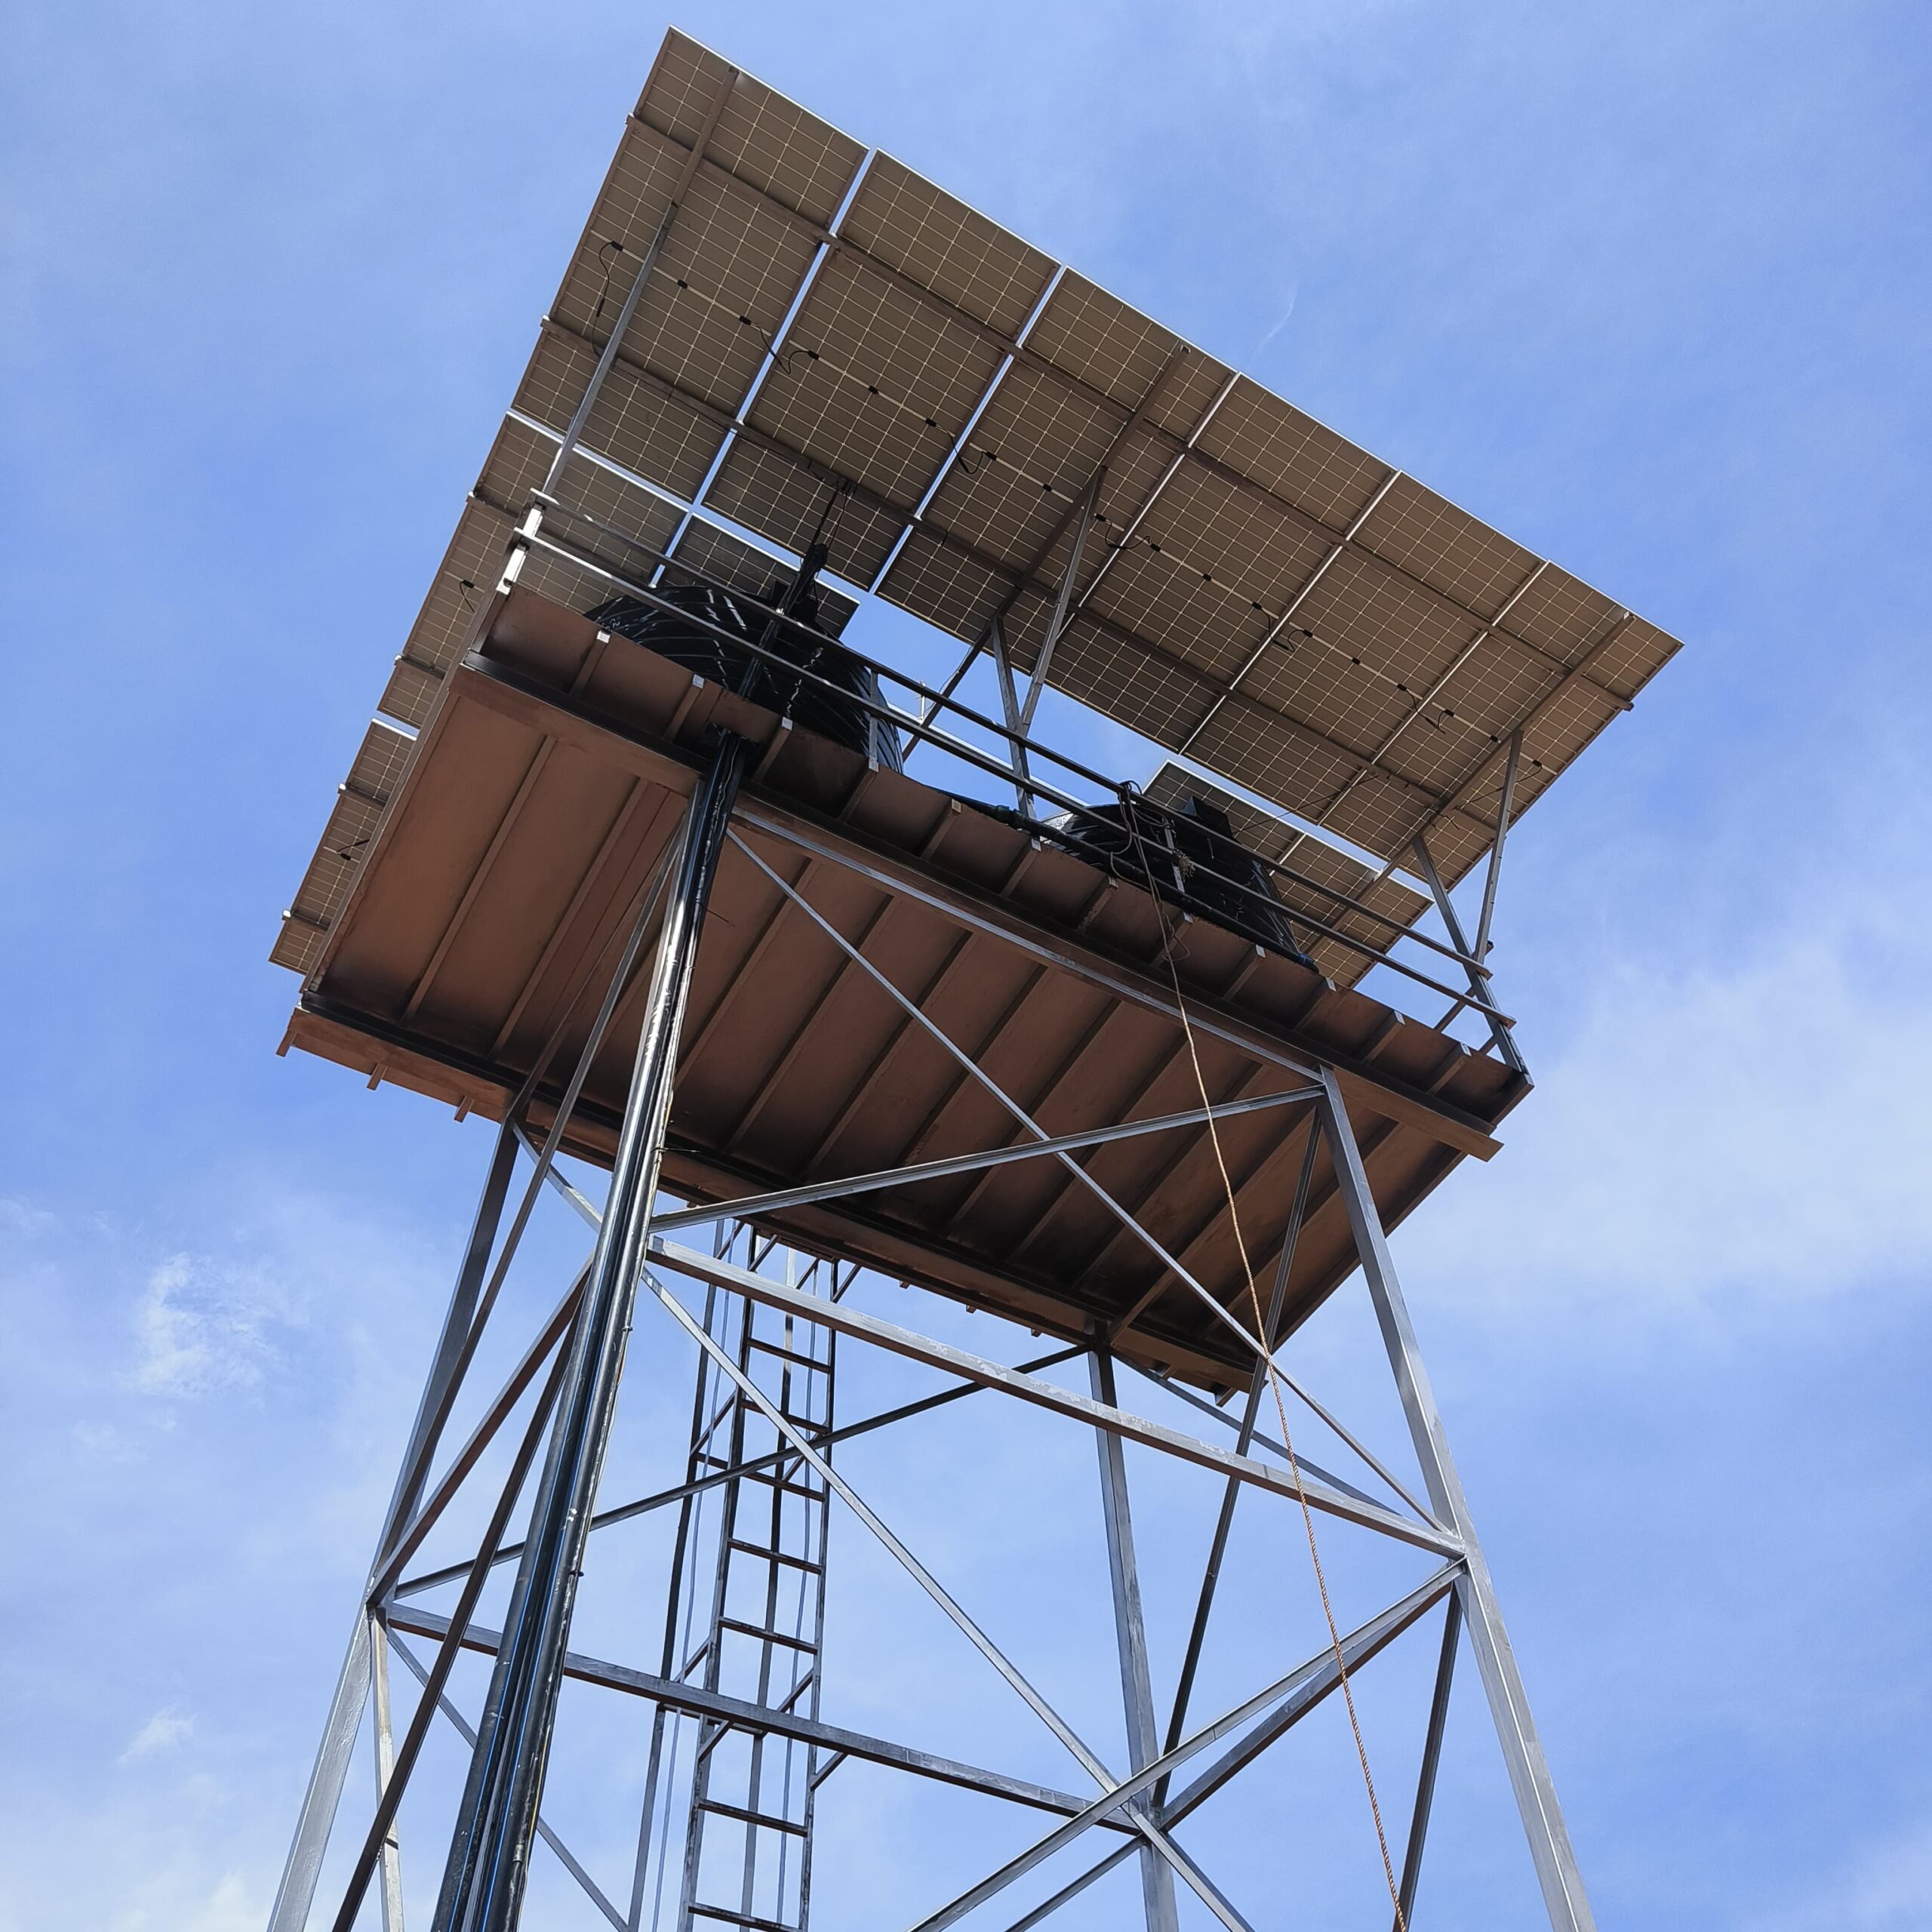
{"x": 1286, "y": 316}
{"x": 174, "y": 1900}
{"x": 200, "y": 1326}
{"x": 1760, "y": 1127}
{"x": 1887, "y": 1888}
{"x": 162, "y": 1733}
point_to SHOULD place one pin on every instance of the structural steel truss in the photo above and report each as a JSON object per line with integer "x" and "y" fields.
{"x": 740, "y": 1747}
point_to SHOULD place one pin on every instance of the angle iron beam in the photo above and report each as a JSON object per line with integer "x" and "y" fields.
{"x": 1046, "y": 1395}
{"x": 1431, "y": 1757}
{"x": 737, "y": 1714}
{"x": 1284, "y": 1702}
{"x": 750, "y": 1207}
{"x": 1556, "y": 1860}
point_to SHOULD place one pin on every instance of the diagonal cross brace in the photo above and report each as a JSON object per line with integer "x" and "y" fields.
{"x": 1047, "y": 1395}
{"x": 821, "y": 1467}
{"x": 1286, "y": 1701}
{"x": 1187, "y": 1279}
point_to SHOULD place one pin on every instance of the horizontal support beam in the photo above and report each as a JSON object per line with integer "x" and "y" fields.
{"x": 739, "y": 1714}
{"x": 751, "y": 1206}
{"x": 847, "y": 1321}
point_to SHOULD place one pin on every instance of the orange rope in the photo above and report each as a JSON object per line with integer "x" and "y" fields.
{"x": 1268, "y": 1363}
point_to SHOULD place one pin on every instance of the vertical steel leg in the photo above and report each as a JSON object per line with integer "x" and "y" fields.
{"x": 1016, "y": 752}
{"x": 391, "y": 1866}
{"x": 1431, "y": 1756}
{"x": 1157, "y": 1877}
{"x": 1563, "y": 1892}
{"x": 489, "y": 1858}
{"x": 1479, "y": 979}
{"x": 296, "y": 1894}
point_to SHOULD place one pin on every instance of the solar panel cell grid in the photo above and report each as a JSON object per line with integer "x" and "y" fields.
{"x": 518, "y": 460}
{"x": 1446, "y": 547}
{"x": 1565, "y": 725}
{"x": 1561, "y": 616}
{"x": 729, "y": 270}
{"x": 638, "y": 422}
{"x": 784, "y": 501}
{"x": 1257, "y": 556}
{"x": 1028, "y": 460}
{"x": 1210, "y": 625}
{"x": 1381, "y": 816}
{"x": 1436, "y": 751}
{"x": 903, "y": 220}
{"x": 939, "y": 582}
{"x": 684, "y": 83}
{"x": 1297, "y": 458}
{"x": 1097, "y": 666}
{"x": 1096, "y": 338}
{"x": 470, "y": 569}
{"x": 1304, "y": 770}
{"x": 1634, "y": 654}
{"x": 873, "y": 384}
{"x": 1323, "y": 689}
{"x": 1134, "y": 471}
{"x": 1397, "y": 635}
{"x": 623, "y": 219}
{"x": 765, "y": 140}
{"x": 574, "y": 586}
{"x": 1493, "y": 692}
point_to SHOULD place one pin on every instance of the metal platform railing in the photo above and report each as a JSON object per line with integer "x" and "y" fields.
{"x": 938, "y": 719}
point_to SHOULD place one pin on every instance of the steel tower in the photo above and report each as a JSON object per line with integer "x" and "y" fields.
{"x": 866, "y": 980}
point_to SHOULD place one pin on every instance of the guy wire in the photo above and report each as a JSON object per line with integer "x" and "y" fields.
{"x": 1130, "y": 812}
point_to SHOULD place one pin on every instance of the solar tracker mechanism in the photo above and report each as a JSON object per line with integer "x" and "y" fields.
{"x": 852, "y": 980}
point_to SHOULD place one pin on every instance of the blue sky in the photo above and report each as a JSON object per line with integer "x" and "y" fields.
{"x": 1644, "y": 284}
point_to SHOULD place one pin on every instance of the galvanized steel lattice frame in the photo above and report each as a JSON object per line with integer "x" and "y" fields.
{"x": 583, "y": 1340}
{"x": 573, "y": 1363}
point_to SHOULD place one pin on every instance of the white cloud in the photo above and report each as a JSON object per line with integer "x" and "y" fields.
{"x": 19, "y": 1216}
{"x": 1763, "y": 1127}
{"x": 1887, "y": 1888}
{"x": 169, "y": 1900}
{"x": 162, "y": 1733}
{"x": 199, "y": 1327}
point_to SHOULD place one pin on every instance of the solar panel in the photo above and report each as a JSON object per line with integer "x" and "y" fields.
{"x": 811, "y": 339}
{"x": 353, "y": 821}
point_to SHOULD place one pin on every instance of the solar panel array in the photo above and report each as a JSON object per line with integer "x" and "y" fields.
{"x": 823, "y": 340}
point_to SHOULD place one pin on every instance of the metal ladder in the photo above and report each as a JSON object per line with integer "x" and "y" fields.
{"x": 748, "y": 1607}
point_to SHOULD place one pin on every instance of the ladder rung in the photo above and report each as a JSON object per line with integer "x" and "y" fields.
{"x": 730, "y": 1915}
{"x": 772, "y": 1480}
{"x": 777, "y": 1556}
{"x": 744, "y": 1817}
{"x": 789, "y": 1355}
{"x": 765, "y": 1636}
